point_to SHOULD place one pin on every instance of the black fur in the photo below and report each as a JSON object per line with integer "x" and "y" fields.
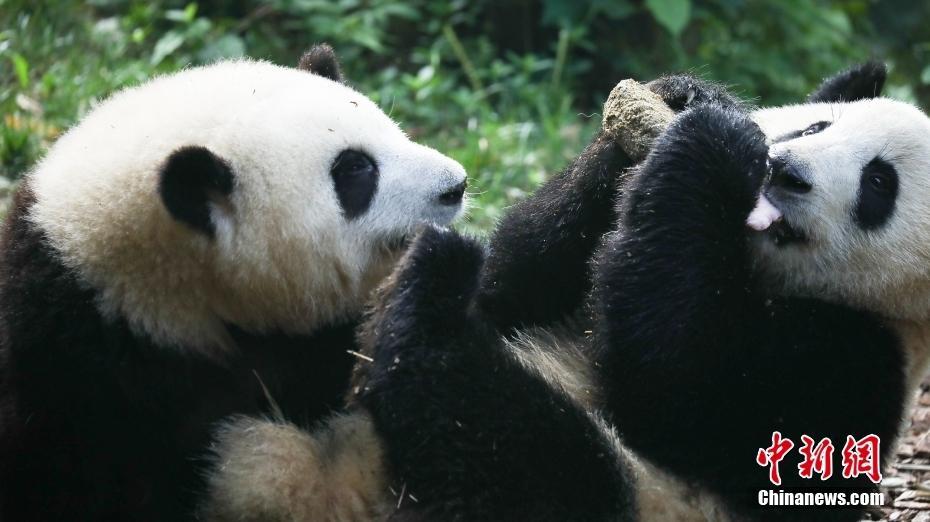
{"x": 355, "y": 180}
{"x": 102, "y": 425}
{"x": 878, "y": 192}
{"x": 471, "y": 434}
{"x": 537, "y": 271}
{"x": 699, "y": 361}
{"x": 190, "y": 181}
{"x": 860, "y": 82}
{"x": 684, "y": 91}
{"x": 321, "y": 60}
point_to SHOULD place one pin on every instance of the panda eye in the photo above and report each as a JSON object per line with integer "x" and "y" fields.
{"x": 351, "y": 163}
{"x": 815, "y": 128}
{"x": 880, "y": 176}
{"x": 880, "y": 183}
{"x": 878, "y": 190}
{"x": 355, "y": 178}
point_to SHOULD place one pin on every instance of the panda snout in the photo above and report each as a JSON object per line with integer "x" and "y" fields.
{"x": 787, "y": 176}
{"x": 454, "y": 195}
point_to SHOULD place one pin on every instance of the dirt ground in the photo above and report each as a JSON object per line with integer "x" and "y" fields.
{"x": 906, "y": 482}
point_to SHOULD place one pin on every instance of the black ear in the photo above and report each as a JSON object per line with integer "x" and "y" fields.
{"x": 321, "y": 60}
{"x": 856, "y": 83}
{"x": 189, "y": 181}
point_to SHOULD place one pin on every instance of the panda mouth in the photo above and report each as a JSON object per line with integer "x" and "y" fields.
{"x": 783, "y": 234}
{"x": 769, "y": 220}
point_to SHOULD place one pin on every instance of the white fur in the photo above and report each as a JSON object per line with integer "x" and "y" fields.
{"x": 284, "y": 257}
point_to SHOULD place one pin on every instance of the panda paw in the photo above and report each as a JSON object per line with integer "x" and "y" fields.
{"x": 684, "y": 91}
{"x": 423, "y": 309}
{"x": 720, "y": 148}
{"x": 438, "y": 276}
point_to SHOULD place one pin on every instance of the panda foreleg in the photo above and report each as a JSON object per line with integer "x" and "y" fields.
{"x": 676, "y": 270}
{"x": 468, "y": 432}
{"x": 537, "y": 271}
{"x": 671, "y": 292}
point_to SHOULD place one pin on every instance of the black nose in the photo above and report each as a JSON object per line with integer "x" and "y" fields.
{"x": 454, "y": 195}
{"x": 785, "y": 175}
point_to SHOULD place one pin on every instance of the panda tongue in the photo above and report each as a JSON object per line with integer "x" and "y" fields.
{"x": 763, "y": 215}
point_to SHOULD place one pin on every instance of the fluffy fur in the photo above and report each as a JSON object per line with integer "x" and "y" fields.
{"x": 300, "y": 266}
{"x": 699, "y": 348}
{"x": 182, "y": 254}
{"x": 738, "y": 347}
{"x": 276, "y": 471}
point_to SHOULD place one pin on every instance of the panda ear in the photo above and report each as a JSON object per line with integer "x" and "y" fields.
{"x": 856, "y": 83}
{"x": 321, "y": 60}
{"x": 191, "y": 182}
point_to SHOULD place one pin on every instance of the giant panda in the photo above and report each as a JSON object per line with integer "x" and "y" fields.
{"x": 700, "y": 335}
{"x": 198, "y": 246}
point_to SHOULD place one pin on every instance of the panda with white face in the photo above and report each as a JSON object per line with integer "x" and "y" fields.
{"x": 749, "y": 285}
{"x": 198, "y": 246}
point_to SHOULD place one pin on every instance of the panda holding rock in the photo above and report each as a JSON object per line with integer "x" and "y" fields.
{"x": 198, "y": 246}
{"x": 761, "y": 271}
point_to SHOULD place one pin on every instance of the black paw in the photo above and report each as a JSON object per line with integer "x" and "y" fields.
{"x": 468, "y": 431}
{"x": 683, "y": 91}
{"x": 721, "y": 142}
{"x": 424, "y": 306}
{"x": 437, "y": 278}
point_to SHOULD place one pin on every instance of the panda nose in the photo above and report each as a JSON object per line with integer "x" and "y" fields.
{"x": 787, "y": 176}
{"x": 454, "y": 195}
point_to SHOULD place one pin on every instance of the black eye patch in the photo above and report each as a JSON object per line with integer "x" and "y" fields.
{"x": 355, "y": 177}
{"x": 878, "y": 190}
{"x": 813, "y": 128}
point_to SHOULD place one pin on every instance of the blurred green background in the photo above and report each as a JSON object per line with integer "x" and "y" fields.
{"x": 510, "y": 88}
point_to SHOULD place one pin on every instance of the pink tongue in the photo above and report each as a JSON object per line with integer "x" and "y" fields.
{"x": 763, "y": 215}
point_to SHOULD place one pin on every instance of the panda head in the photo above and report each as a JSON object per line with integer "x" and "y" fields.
{"x": 240, "y": 193}
{"x": 852, "y": 184}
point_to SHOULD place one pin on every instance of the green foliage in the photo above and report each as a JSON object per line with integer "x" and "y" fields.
{"x": 510, "y": 89}
{"x": 671, "y": 14}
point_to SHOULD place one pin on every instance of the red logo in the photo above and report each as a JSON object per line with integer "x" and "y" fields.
{"x": 774, "y": 454}
{"x": 860, "y": 457}
{"x": 817, "y": 459}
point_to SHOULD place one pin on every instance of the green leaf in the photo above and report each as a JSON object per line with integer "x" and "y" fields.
{"x": 227, "y": 46}
{"x": 925, "y": 75}
{"x": 166, "y": 45}
{"x": 671, "y": 14}
{"x": 190, "y": 11}
{"x": 185, "y": 15}
{"x": 21, "y": 66}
